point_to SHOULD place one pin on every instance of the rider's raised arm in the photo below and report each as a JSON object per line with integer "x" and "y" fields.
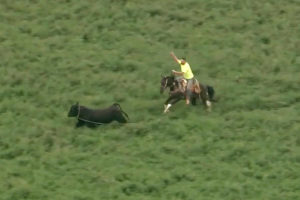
{"x": 174, "y": 57}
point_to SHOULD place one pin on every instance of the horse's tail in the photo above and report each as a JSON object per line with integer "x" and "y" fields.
{"x": 211, "y": 92}
{"x": 118, "y": 105}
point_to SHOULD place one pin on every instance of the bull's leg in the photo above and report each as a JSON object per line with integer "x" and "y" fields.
{"x": 91, "y": 125}
{"x": 80, "y": 123}
{"x": 119, "y": 117}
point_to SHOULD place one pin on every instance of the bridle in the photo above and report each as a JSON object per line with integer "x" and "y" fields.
{"x": 166, "y": 83}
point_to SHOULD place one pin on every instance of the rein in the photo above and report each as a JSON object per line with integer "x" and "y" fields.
{"x": 90, "y": 121}
{"x": 166, "y": 84}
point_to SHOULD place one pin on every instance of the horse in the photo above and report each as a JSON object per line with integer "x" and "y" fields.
{"x": 177, "y": 92}
{"x": 93, "y": 117}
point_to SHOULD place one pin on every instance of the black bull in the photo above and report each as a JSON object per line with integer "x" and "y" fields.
{"x": 93, "y": 117}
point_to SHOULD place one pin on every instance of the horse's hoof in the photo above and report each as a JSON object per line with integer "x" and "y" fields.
{"x": 166, "y": 111}
{"x": 208, "y": 103}
{"x": 167, "y": 108}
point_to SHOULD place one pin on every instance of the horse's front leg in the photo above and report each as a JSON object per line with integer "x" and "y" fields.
{"x": 172, "y": 102}
{"x": 174, "y": 98}
{"x": 168, "y": 100}
{"x": 167, "y": 104}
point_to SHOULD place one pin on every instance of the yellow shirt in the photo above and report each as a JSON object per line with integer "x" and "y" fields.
{"x": 186, "y": 69}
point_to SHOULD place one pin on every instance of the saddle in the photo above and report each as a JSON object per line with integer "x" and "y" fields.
{"x": 183, "y": 85}
{"x": 195, "y": 87}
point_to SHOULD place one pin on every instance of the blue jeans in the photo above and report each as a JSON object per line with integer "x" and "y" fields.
{"x": 189, "y": 87}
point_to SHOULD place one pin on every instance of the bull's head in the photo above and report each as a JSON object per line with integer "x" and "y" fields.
{"x": 74, "y": 110}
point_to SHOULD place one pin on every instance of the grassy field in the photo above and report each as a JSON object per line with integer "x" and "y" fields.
{"x": 55, "y": 53}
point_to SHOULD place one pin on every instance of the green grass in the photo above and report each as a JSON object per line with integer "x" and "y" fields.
{"x": 56, "y": 53}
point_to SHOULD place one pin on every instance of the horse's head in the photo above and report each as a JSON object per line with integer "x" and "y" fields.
{"x": 163, "y": 83}
{"x": 166, "y": 81}
{"x": 74, "y": 110}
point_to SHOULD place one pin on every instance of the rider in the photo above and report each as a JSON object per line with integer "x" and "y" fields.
{"x": 187, "y": 74}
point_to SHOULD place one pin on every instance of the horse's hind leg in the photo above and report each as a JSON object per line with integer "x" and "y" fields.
{"x": 194, "y": 98}
{"x": 205, "y": 100}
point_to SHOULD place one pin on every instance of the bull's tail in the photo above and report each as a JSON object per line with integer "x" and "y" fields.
{"x": 118, "y": 105}
{"x": 125, "y": 114}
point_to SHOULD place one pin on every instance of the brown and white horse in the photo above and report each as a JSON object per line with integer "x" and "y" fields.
{"x": 177, "y": 92}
